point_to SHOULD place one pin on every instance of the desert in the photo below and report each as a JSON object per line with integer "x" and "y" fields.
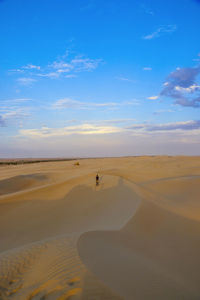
{"x": 99, "y": 150}
{"x": 134, "y": 236}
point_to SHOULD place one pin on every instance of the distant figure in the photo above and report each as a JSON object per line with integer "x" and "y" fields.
{"x": 97, "y": 179}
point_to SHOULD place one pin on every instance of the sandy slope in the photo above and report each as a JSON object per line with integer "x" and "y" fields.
{"x": 155, "y": 256}
{"x": 136, "y": 236}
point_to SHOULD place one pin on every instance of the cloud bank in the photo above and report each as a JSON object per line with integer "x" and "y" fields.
{"x": 96, "y": 129}
{"x": 104, "y": 139}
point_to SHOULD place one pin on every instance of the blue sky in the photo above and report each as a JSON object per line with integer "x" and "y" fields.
{"x": 99, "y": 78}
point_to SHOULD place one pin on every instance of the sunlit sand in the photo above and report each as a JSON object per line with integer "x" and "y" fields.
{"x": 134, "y": 236}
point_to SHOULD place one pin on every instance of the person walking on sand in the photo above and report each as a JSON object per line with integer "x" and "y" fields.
{"x": 97, "y": 179}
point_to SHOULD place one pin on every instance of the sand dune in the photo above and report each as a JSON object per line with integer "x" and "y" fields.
{"x": 155, "y": 256}
{"x": 136, "y": 236}
{"x": 82, "y": 209}
{"x": 20, "y": 182}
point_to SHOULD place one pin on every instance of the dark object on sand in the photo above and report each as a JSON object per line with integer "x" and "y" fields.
{"x": 97, "y": 179}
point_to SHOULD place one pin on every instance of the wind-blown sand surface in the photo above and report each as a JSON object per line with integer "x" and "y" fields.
{"x": 135, "y": 236}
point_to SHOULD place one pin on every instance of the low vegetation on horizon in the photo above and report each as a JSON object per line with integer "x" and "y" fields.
{"x": 31, "y": 160}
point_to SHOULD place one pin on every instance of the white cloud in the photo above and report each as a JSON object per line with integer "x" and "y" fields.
{"x": 15, "y": 101}
{"x": 84, "y": 129}
{"x": 70, "y": 76}
{"x": 63, "y": 70}
{"x": 68, "y": 103}
{"x": 31, "y": 67}
{"x": 58, "y": 68}
{"x": 113, "y": 121}
{"x": 166, "y": 83}
{"x": 158, "y": 112}
{"x": 190, "y": 89}
{"x": 165, "y": 127}
{"x": 125, "y": 79}
{"x": 61, "y": 65}
{"x": 147, "y": 69}
{"x": 153, "y": 97}
{"x": 28, "y": 67}
{"x": 162, "y": 30}
{"x": 26, "y": 81}
{"x": 74, "y": 104}
{"x": 18, "y": 113}
{"x": 13, "y": 111}
{"x": 85, "y": 64}
{"x": 134, "y": 102}
{"x": 12, "y": 115}
{"x": 17, "y": 70}
{"x": 50, "y": 75}
{"x": 74, "y": 65}
{"x": 146, "y": 9}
